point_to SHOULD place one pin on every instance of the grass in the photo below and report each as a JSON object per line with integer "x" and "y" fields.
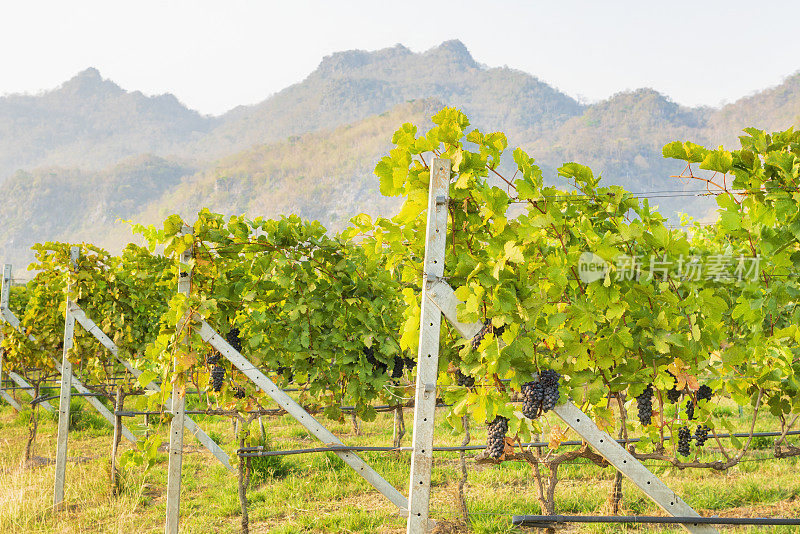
{"x": 319, "y": 493}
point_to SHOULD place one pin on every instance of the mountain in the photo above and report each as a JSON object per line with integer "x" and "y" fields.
{"x": 772, "y": 109}
{"x": 621, "y": 138}
{"x": 77, "y": 158}
{"x": 325, "y": 175}
{"x": 73, "y": 204}
{"x": 91, "y": 122}
{"x": 350, "y": 86}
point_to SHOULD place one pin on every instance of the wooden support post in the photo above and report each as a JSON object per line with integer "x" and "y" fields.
{"x": 428, "y": 353}
{"x": 178, "y": 407}
{"x": 118, "y": 406}
{"x": 301, "y": 416}
{"x": 66, "y": 391}
{"x": 444, "y": 298}
{"x": 4, "y": 292}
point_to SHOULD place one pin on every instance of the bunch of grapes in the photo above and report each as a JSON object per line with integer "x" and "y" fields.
{"x": 496, "y": 439}
{"x": 704, "y": 393}
{"x": 285, "y": 372}
{"x": 397, "y": 370}
{"x": 532, "y": 397}
{"x": 217, "y": 376}
{"x": 541, "y": 395}
{"x": 549, "y": 380}
{"x": 464, "y": 380}
{"x": 410, "y": 363}
{"x": 213, "y": 358}
{"x": 644, "y": 403}
{"x": 369, "y": 352}
{"x": 239, "y": 392}
{"x": 673, "y": 394}
{"x": 232, "y": 337}
{"x": 487, "y": 327}
{"x": 701, "y": 434}
{"x": 684, "y": 439}
{"x": 689, "y": 409}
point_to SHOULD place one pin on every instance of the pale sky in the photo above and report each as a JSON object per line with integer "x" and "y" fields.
{"x": 216, "y": 55}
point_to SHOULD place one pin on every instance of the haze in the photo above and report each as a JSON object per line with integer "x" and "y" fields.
{"x": 214, "y": 56}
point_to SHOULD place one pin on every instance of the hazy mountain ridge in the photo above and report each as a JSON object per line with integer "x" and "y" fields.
{"x": 350, "y": 86}
{"x": 92, "y": 122}
{"x": 81, "y": 144}
{"x": 75, "y": 204}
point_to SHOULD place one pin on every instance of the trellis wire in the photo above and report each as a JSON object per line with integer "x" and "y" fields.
{"x": 250, "y": 452}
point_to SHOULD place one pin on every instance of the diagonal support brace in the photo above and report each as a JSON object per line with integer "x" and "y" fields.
{"x": 303, "y": 417}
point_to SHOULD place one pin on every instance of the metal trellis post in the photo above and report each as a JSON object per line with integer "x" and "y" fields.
{"x": 428, "y": 353}
{"x": 178, "y": 407}
{"x": 66, "y": 390}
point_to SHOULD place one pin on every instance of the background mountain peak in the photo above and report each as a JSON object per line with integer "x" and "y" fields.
{"x": 87, "y": 82}
{"x": 348, "y": 61}
{"x": 452, "y": 51}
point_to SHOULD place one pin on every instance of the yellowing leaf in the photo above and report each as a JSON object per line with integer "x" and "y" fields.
{"x": 558, "y": 436}
{"x": 513, "y": 253}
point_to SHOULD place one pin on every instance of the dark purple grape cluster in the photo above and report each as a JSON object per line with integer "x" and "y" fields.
{"x": 684, "y": 440}
{"x": 540, "y": 395}
{"x": 644, "y": 404}
{"x": 487, "y": 327}
{"x": 704, "y": 393}
{"x": 496, "y": 439}
{"x": 689, "y": 409}
{"x": 410, "y": 363}
{"x": 369, "y": 352}
{"x": 549, "y": 380}
{"x": 701, "y": 434}
{"x": 217, "y": 377}
{"x": 532, "y": 398}
{"x": 285, "y": 372}
{"x": 674, "y": 394}
{"x": 464, "y": 380}
{"x": 239, "y": 392}
{"x": 232, "y": 337}
{"x": 213, "y": 358}
{"x": 397, "y": 369}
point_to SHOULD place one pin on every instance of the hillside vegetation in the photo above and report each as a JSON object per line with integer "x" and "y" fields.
{"x": 324, "y": 175}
